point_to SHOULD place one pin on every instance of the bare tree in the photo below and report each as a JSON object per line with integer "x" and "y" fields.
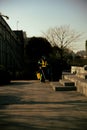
{"x": 62, "y": 36}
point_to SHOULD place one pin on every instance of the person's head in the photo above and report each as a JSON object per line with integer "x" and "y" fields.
{"x": 43, "y": 57}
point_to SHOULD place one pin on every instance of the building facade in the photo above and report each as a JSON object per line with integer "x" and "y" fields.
{"x": 11, "y": 48}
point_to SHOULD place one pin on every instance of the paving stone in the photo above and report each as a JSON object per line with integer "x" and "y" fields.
{"x": 31, "y": 105}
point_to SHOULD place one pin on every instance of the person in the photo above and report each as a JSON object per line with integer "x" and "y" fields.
{"x": 43, "y": 67}
{"x": 41, "y": 76}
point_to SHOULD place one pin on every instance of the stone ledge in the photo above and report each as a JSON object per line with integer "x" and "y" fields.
{"x": 66, "y": 82}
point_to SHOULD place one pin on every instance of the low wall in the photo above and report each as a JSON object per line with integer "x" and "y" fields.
{"x": 79, "y": 79}
{"x": 77, "y": 70}
{"x": 82, "y": 87}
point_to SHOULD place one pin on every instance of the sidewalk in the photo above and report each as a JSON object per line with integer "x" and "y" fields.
{"x": 31, "y": 105}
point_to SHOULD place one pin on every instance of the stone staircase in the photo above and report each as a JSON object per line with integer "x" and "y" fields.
{"x": 64, "y": 85}
{"x": 74, "y": 81}
{"x": 79, "y": 78}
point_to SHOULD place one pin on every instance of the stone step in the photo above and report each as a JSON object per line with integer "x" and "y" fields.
{"x": 59, "y": 87}
{"x": 81, "y": 84}
{"x": 66, "y": 82}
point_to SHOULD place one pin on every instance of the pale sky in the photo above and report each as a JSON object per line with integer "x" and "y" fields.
{"x": 37, "y": 16}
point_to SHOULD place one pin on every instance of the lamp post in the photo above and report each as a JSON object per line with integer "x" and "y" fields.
{"x": 4, "y": 16}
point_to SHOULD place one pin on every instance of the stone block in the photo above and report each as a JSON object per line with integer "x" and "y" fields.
{"x": 82, "y": 75}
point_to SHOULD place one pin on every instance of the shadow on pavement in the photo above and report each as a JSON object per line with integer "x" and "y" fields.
{"x": 10, "y": 125}
{"x": 9, "y": 100}
{"x": 18, "y": 122}
{"x": 20, "y": 82}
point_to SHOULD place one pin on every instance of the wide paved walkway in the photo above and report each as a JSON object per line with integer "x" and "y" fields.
{"x": 31, "y": 105}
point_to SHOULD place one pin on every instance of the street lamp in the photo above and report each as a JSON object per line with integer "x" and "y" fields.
{"x": 4, "y": 16}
